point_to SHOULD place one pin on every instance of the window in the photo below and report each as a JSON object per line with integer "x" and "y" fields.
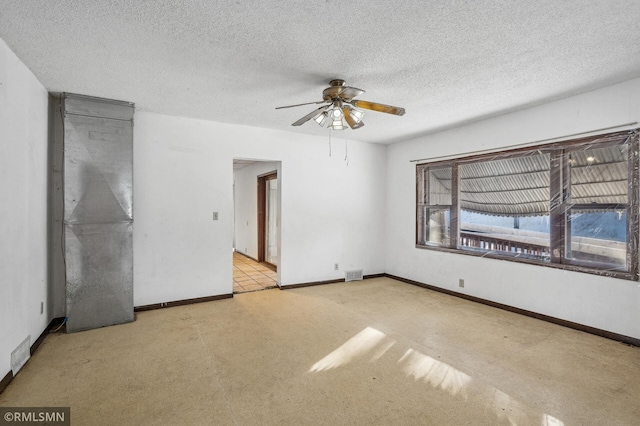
{"x": 598, "y": 198}
{"x": 434, "y": 206}
{"x": 572, "y": 205}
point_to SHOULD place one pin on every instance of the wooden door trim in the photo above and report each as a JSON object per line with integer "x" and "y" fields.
{"x": 262, "y": 214}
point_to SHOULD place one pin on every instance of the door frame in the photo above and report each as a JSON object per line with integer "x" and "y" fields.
{"x": 262, "y": 217}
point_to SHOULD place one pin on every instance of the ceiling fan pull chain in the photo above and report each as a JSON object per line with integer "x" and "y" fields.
{"x": 346, "y": 151}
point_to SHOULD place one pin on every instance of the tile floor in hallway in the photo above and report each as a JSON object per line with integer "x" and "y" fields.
{"x": 249, "y": 275}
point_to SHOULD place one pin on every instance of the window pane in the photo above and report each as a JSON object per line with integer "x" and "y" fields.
{"x": 434, "y": 205}
{"x": 597, "y": 222}
{"x": 506, "y": 187}
{"x": 440, "y": 187}
{"x": 421, "y": 184}
{"x": 526, "y": 236}
{"x": 504, "y": 205}
{"x": 598, "y": 236}
{"x": 437, "y": 226}
{"x": 599, "y": 175}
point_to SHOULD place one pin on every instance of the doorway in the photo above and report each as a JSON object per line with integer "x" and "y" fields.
{"x": 268, "y": 220}
{"x": 257, "y": 187}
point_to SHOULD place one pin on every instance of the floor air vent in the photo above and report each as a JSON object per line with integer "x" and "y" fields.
{"x": 20, "y": 355}
{"x": 353, "y": 275}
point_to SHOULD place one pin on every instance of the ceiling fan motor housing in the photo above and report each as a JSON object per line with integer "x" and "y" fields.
{"x": 334, "y": 89}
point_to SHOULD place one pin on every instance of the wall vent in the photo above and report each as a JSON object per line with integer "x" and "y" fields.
{"x": 353, "y": 275}
{"x": 20, "y": 355}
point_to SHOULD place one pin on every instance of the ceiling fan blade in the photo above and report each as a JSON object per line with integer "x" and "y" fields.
{"x": 378, "y": 107}
{"x": 350, "y": 121}
{"x": 308, "y": 103}
{"x": 347, "y": 93}
{"x": 309, "y": 116}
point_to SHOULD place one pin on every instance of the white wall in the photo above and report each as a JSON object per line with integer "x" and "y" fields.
{"x": 246, "y": 205}
{"x": 331, "y": 211}
{"x": 605, "y": 303}
{"x": 23, "y": 209}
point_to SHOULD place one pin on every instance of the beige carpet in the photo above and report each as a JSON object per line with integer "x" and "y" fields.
{"x": 372, "y": 352}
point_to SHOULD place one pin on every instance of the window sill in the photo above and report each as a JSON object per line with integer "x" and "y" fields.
{"x": 538, "y": 262}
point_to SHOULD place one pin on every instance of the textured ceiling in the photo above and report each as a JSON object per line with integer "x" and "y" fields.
{"x": 447, "y": 63}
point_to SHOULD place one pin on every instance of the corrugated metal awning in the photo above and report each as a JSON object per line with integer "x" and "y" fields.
{"x": 519, "y": 185}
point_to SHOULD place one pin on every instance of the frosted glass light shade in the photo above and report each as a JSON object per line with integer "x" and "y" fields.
{"x": 338, "y": 125}
{"x": 356, "y": 114}
{"x": 321, "y": 119}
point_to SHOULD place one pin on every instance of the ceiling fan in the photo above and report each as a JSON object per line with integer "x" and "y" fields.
{"x": 340, "y": 107}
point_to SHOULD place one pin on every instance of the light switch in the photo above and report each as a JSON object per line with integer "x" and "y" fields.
{"x": 215, "y": 215}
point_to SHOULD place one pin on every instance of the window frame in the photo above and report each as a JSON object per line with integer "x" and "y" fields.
{"x": 423, "y": 201}
{"x": 559, "y": 202}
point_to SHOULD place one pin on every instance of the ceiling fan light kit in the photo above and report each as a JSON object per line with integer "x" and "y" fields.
{"x": 340, "y": 108}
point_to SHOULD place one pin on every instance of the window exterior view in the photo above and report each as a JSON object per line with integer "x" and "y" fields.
{"x": 571, "y": 204}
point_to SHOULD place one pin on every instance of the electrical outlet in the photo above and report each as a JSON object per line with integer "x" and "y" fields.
{"x": 215, "y": 215}
{"x": 460, "y": 282}
{"x": 336, "y": 267}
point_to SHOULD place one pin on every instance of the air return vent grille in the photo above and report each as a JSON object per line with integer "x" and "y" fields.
{"x": 20, "y": 355}
{"x": 353, "y": 275}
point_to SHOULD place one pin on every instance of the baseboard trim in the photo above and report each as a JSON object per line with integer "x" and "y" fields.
{"x": 247, "y": 256}
{"x": 368, "y": 277}
{"x": 310, "y": 284}
{"x": 9, "y": 376}
{"x": 54, "y": 323}
{"x": 340, "y": 280}
{"x": 569, "y": 324}
{"x": 183, "y": 302}
{"x": 5, "y": 381}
